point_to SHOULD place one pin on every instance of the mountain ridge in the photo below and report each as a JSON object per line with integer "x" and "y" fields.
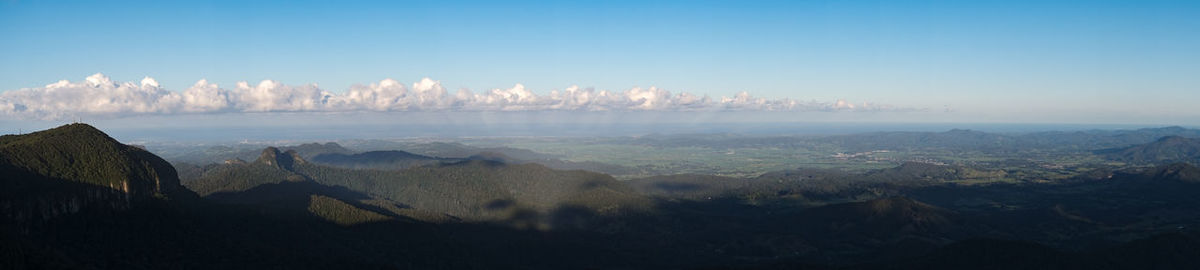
{"x": 1166, "y": 149}
{"x": 74, "y": 167}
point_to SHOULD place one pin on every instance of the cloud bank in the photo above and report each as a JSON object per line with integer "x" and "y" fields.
{"x": 99, "y": 96}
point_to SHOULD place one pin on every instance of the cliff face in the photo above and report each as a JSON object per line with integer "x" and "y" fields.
{"x": 283, "y": 160}
{"x": 75, "y": 167}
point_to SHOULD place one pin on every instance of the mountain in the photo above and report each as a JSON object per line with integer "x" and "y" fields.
{"x": 74, "y": 198}
{"x": 1171, "y": 173}
{"x": 478, "y": 190}
{"x": 310, "y": 150}
{"x": 76, "y": 167}
{"x": 270, "y": 182}
{"x": 333, "y": 154}
{"x": 384, "y": 160}
{"x": 459, "y": 150}
{"x": 220, "y": 154}
{"x": 1163, "y": 150}
{"x": 1102, "y": 139}
{"x": 271, "y": 167}
{"x": 455, "y": 152}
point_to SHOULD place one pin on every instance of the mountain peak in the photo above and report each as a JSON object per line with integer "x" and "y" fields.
{"x": 284, "y": 160}
{"x": 68, "y": 168}
{"x": 75, "y": 130}
{"x": 83, "y": 152}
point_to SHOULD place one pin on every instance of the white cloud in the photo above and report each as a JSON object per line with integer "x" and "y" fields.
{"x": 204, "y": 97}
{"x": 97, "y": 95}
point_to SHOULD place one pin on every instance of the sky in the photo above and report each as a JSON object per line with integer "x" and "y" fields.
{"x": 1102, "y": 62}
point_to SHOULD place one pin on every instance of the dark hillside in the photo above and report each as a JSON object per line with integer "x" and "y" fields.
{"x": 73, "y": 167}
{"x": 477, "y": 190}
{"x": 1164, "y": 150}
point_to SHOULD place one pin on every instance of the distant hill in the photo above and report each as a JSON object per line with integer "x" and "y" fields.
{"x": 481, "y": 190}
{"x": 1102, "y": 139}
{"x": 1175, "y": 172}
{"x": 270, "y": 168}
{"x": 310, "y": 150}
{"x": 219, "y": 154}
{"x": 384, "y": 160}
{"x": 458, "y": 150}
{"x": 271, "y": 182}
{"x": 1164, "y": 150}
{"x": 455, "y": 152}
{"x": 384, "y": 156}
{"x": 76, "y": 167}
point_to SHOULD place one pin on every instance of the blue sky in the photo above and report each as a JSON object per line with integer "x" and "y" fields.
{"x": 1004, "y": 61}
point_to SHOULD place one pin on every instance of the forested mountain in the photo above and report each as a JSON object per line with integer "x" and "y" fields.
{"x": 74, "y": 167}
{"x": 509, "y": 155}
{"x": 1165, "y": 149}
{"x": 384, "y": 160}
{"x": 1100, "y": 139}
{"x": 219, "y": 154}
{"x": 458, "y": 150}
{"x": 397, "y": 160}
{"x": 480, "y": 190}
{"x": 385, "y": 155}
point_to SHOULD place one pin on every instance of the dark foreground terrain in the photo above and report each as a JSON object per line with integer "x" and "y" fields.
{"x": 74, "y": 198}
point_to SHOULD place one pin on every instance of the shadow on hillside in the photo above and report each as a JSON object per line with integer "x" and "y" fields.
{"x": 296, "y": 197}
{"x": 725, "y": 232}
{"x": 29, "y": 198}
{"x": 769, "y": 229}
